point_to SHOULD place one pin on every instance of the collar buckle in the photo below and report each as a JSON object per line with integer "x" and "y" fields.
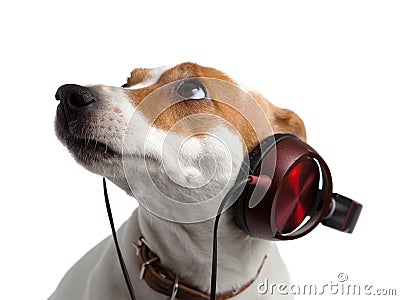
{"x": 145, "y": 265}
{"x": 174, "y": 289}
{"x": 141, "y": 241}
{"x": 139, "y": 244}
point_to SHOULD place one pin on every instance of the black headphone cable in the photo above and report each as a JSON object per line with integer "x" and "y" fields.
{"x": 214, "y": 246}
{"x": 114, "y": 234}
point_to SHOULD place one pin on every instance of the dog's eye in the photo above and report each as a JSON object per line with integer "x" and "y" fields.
{"x": 192, "y": 89}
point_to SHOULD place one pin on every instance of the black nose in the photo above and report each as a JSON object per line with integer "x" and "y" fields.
{"x": 75, "y": 95}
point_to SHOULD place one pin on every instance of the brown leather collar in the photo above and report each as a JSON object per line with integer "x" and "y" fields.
{"x": 165, "y": 282}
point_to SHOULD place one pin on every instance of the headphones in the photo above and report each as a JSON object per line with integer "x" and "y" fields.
{"x": 289, "y": 192}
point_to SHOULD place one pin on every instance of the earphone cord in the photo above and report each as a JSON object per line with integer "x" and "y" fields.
{"x": 214, "y": 248}
{"x": 213, "y": 286}
{"x": 214, "y": 260}
{"x": 114, "y": 234}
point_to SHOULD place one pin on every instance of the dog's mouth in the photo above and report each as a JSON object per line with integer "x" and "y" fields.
{"x": 84, "y": 147}
{"x": 88, "y": 150}
{"x": 94, "y": 146}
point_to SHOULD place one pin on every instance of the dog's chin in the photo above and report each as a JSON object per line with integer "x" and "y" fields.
{"x": 87, "y": 151}
{"x": 90, "y": 152}
{"x": 97, "y": 157}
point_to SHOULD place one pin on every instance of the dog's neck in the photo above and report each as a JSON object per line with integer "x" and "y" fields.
{"x": 186, "y": 249}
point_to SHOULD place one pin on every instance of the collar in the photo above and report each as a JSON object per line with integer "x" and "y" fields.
{"x": 167, "y": 283}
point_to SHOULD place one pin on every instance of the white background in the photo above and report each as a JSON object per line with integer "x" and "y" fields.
{"x": 336, "y": 63}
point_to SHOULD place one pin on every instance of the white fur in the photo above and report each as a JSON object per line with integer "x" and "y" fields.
{"x": 200, "y": 173}
{"x": 191, "y": 194}
{"x": 97, "y": 275}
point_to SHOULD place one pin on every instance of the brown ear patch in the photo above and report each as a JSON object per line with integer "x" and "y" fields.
{"x": 137, "y": 76}
{"x": 281, "y": 120}
{"x": 286, "y": 121}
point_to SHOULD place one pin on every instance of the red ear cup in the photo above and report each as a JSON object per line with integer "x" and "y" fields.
{"x": 298, "y": 197}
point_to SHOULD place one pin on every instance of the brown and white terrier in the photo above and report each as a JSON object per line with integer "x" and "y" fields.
{"x": 175, "y": 139}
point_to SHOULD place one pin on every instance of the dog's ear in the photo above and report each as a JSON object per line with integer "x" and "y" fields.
{"x": 282, "y": 120}
{"x": 286, "y": 121}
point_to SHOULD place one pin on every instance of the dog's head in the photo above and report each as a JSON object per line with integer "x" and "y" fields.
{"x": 180, "y": 132}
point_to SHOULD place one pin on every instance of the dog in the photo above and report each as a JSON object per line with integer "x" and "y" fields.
{"x": 174, "y": 138}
